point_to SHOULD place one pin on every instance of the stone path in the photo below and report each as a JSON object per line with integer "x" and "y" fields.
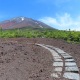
{"x": 64, "y": 64}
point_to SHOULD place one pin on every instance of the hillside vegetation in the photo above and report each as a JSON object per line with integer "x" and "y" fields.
{"x": 70, "y": 36}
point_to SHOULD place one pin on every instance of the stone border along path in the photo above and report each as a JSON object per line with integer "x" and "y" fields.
{"x": 64, "y": 64}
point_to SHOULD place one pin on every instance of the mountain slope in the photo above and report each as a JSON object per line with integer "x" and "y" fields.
{"x": 21, "y": 22}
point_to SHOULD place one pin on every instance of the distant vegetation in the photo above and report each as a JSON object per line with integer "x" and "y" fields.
{"x": 70, "y": 36}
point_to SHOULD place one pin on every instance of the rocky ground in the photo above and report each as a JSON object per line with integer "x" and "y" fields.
{"x": 21, "y": 60}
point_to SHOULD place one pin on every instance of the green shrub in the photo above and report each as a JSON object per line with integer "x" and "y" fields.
{"x": 69, "y": 36}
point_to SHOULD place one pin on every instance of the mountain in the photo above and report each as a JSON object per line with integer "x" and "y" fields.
{"x": 22, "y": 22}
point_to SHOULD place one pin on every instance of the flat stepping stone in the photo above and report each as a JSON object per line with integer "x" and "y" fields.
{"x": 67, "y": 57}
{"x": 73, "y": 76}
{"x": 70, "y": 64}
{"x": 72, "y": 69}
{"x": 58, "y": 64}
{"x": 54, "y": 53}
{"x": 69, "y": 60}
{"x": 56, "y": 75}
{"x": 60, "y": 51}
{"x": 57, "y": 57}
{"x": 58, "y": 60}
{"x": 65, "y": 54}
{"x": 58, "y": 69}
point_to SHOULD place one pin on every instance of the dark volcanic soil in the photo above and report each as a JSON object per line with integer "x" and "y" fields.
{"x": 20, "y": 60}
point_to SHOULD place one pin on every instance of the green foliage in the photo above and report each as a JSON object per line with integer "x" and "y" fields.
{"x": 70, "y": 36}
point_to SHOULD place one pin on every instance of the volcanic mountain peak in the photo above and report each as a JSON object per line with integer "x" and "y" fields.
{"x": 21, "y": 22}
{"x": 19, "y": 19}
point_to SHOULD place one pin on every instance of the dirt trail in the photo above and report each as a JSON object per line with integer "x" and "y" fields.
{"x": 20, "y": 60}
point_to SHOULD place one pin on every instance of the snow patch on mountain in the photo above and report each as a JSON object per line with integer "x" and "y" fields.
{"x": 22, "y": 18}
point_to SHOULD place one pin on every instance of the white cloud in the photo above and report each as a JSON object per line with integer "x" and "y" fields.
{"x": 63, "y": 22}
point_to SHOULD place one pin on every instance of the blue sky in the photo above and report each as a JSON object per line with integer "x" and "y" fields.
{"x": 60, "y": 14}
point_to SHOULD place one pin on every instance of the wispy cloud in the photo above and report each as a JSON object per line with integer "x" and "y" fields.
{"x": 63, "y": 22}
